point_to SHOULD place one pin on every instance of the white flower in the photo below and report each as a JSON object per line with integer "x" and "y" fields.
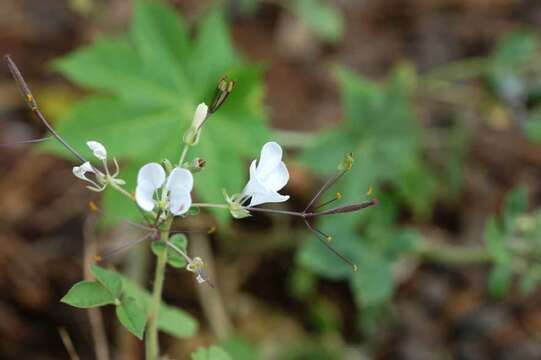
{"x": 151, "y": 178}
{"x": 199, "y": 116}
{"x": 179, "y": 186}
{"x": 80, "y": 171}
{"x": 267, "y": 177}
{"x": 98, "y": 149}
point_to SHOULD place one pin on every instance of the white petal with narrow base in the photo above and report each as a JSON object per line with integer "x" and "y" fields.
{"x": 80, "y": 171}
{"x": 98, "y": 149}
{"x": 149, "y": 179}
{"x": 179, "y": 185}
{"x": 267, "y": 177}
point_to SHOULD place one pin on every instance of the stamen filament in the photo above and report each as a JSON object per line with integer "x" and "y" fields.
{"x": 324, "y": 188}
{"x": 333, "y": 250}
{"x": 343, "y": 209}
{"x": 122, "y": 247}
{"x": 338, "y": 196}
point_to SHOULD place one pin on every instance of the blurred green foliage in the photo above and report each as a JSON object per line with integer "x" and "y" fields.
{"x": 514, "y": 243}
{"x": 149, "y": 83}
{"x": 210, "y": 353}
{"x": 381, "y": 130}
{"x": 321, "y": 17}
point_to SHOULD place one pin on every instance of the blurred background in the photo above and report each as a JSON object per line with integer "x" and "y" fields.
{"x": 439, "y": 101}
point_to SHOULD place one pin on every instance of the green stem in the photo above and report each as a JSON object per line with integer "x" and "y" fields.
{"x": 120, "y": 189}
{"x": 183, "y": 154}
{"x": 152, "y": 348}
{"x": 454, "y": 255}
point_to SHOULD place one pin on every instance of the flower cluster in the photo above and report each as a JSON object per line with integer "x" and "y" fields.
{"x": 101, "y": 179}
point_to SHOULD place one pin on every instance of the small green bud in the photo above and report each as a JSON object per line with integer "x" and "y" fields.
{"x": 167, "y": 165}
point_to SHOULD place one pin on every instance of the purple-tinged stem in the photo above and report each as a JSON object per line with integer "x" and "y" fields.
{"x": 33, "y": 105}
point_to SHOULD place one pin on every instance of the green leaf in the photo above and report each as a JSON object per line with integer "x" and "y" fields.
{"x": 109, "y": 279}
{"x": 500, "y": 280}
{"x": 495, "y": 241}
{"x": 515, "y": 205}
{"x": 171, "y": 320}
{"x": 131, "y": 316}
{"x": 150, "y": 82}
{"x": 515, "y": 48}
{"x": 314, "y": 256}
{"x": 373, "y": 283}
{"x": 88, "y": 294}
{"x": 240, "y": 348}
{"x": 321, "y": 17}
{"x": 211, "y": 353}
{"x": 173, "y": 258}
{"x": 532, "y": 127}
{"x": 381, "y": 131}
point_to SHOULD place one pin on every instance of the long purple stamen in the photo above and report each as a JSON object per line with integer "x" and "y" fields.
{"x": 324, "y": 241}
{"x": 343, "y": 209}
{"x": 324, "y": 188}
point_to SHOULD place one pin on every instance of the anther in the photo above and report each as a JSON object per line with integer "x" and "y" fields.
{"x": 338, "y": 196}
{"x": 93, "y": 207}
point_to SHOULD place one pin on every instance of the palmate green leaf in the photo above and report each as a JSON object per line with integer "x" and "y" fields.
{"x": 150, "y": 81}
{"x": 211, "y": 353}
{"x": 131, "y": 316}
{"x": 88, "y": 294}
{"x": 381, "y": 131}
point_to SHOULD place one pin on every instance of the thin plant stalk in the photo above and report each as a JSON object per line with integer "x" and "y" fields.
{"x": 152, "y": 347}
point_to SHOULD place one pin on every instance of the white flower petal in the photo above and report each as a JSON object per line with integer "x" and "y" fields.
{"x": 179, "y": 201}
{"x": 271, "y": 197}
{"x": 152, "y": 173}
{"x": 254, "y": 185}
{"x": 276, "y": 179}
{"x": 269, "y": 176}
{"x": 144, "y": 195}
{"x": 179, "y": 185}
{"x": 98, "y": 149}
{"x": 199, "y": 116}
{"x": 271, "y": 157}
{"x": 80, "y": 171}
{"x": 180, "y": 179}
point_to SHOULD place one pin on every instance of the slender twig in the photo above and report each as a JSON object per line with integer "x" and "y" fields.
{"x": 96, "y": 320}
{"x": 33, "y": 105}
{"x": 151, "y": 341}
{"x": 66, "y": 340}
{"x": 210, "y": 298}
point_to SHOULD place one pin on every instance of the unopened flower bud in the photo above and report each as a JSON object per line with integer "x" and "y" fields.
{"x": 224, "y": 88}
